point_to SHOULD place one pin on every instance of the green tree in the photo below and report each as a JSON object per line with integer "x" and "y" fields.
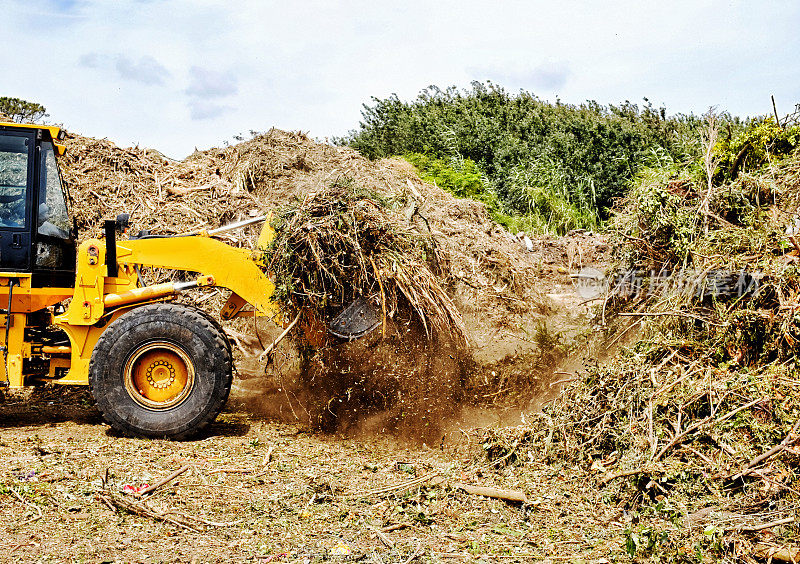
{"x": 21, "y": 110}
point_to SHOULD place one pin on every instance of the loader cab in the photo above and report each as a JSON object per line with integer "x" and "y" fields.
{"x": 35, "y": 232}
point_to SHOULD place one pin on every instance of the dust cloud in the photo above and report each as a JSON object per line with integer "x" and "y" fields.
{"x": 398, "y": 382}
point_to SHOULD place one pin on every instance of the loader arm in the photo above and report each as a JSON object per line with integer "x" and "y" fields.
{"x": 100, "y": 299}
{"x": 233, "y": 268}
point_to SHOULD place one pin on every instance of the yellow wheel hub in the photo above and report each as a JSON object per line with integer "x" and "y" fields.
{"x": 159, "y": 375}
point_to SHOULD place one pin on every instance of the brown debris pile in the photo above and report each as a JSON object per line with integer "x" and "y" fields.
{"x": 214, "y": 187}
{"x": 493, "y": 281}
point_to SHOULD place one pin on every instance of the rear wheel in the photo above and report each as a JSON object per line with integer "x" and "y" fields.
{"x": 161, "y": 370}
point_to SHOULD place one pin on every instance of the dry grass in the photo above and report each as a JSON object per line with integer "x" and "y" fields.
{"x": 259, "y": 491}
{"x": 695, "y": 423}
{"x": 344, "y": 242}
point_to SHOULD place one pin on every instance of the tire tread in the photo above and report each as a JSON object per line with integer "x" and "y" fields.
{"x": 159, "y": 311}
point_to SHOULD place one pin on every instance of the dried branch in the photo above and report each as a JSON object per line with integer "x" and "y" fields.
{"x": 150, "y": 489}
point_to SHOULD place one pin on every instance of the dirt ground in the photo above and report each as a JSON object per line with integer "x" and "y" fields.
{"x": 262, "y": 491}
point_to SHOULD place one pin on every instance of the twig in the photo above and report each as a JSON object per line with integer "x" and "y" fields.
{"x": 775, "y": 109}
{"x": 608, "y": 479}
{"x": 672, "y": 313}
{"x": 207, "y": 297}
{"x": 108, "y": 504}
{"x": 414, "y": 191}
{"x": 274, "y": 343}
{"x": 777, "y": 483}
{"x": 20, "y": 545}
{"x": 205, "y": 521}
{"x": 268, "y": 456}
{"x": 29, "y": 504}
{"x": 163, "y": 481}
{"x": 651, "y": 436}
{"x": 417, "y": 553}
{"x": 264, "y": 464}
{"x": 562, "y": 381}
{"x": 664, "y": 362}
{"x": 668, "y": 387}
{"x": 679, "y": 437}
{"x": 400, "y": 486}
{"x": 741, "y": 408}
{"x": 795, "y": 243}
{"x": 699, "y": 454}
{"x": 501, "y": 459}
{"x": 180, "y": 191}
{"x": 383, "y": 295}
{"x": 787, "y": 441}
{"x": 763, "y": 526}
{"x": 383, "y": 538}
{"x": 496, "y": 493}
{"x": 143, "y": 510}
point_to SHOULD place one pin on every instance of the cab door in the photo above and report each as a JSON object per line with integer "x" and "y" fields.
{"x": 17, "y": 150}
{"x": 54, "y": 243}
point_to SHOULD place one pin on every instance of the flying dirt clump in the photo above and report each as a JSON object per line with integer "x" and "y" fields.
{"x": 450, "y": 276}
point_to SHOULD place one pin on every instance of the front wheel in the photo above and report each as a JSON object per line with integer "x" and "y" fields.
{"x": 161, "y": 370}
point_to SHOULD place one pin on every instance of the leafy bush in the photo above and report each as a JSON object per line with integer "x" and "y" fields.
{"x": 753, "y": 144}
{"x": 460, "y": 177}
{"x": 575, "y": 160}
{"x": 540, "y": 204}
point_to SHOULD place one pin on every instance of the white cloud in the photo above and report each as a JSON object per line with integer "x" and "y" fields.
{"x": 206, "y": 87}
{"x": 206, "y": 83}
{"x": 90, "y": 60}
{"x": 175, "y": 74}
{"x": 146, "y": 70}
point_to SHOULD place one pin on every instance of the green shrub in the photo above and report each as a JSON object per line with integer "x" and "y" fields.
{"x": 541, "y": 205}
{"x": 460, "y": 177}
{"x": 585, "y": 154}
{"x": 754, "y": 144}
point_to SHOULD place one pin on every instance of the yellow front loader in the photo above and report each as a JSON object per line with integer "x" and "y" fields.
{"x": 155, "y": 368}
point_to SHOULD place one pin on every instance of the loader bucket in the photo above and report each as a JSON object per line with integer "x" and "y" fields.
{"x": 356, "y": 320}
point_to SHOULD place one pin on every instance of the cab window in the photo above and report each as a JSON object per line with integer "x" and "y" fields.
{"x": 14, "y": 154}
{"x": 53, "y": 216}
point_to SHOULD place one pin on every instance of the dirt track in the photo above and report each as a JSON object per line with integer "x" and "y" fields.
{"x": 278, "y": 494}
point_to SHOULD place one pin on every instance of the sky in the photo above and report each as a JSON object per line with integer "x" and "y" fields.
{"x": 176, "y": 75}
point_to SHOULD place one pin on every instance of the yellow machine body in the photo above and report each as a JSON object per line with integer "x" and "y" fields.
{"x": 56, "y": 133}
{"x": 97, "y": 299}
{"x": 84, "y": 314}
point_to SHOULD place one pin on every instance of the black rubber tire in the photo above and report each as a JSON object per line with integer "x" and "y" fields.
{"x": 197, "y": 335}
